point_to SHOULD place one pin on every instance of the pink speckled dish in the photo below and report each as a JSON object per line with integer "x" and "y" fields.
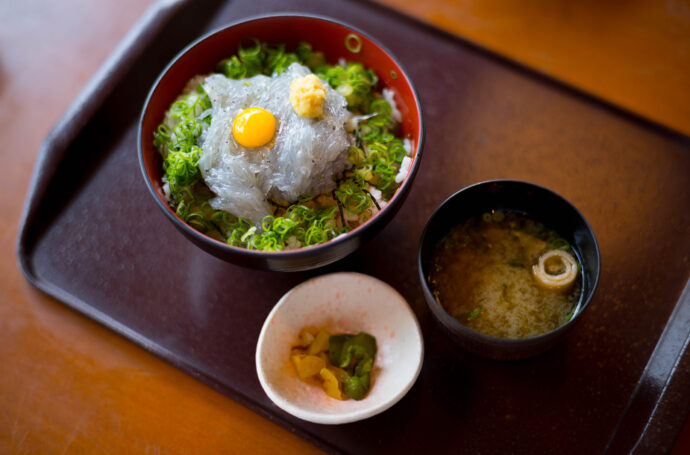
{"x": 347, "y": 303}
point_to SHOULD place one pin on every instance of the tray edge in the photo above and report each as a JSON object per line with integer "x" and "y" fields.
{"x": 116, "y": 65}
{"x": 676, "y": 339}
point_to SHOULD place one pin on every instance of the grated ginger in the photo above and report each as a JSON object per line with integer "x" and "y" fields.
{"x": 307, "y": 94}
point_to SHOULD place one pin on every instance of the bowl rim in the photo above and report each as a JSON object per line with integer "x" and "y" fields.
{"x": 302, "y": 251}
{"x": 353, "y": 416}
{"x": 465, "y": 331}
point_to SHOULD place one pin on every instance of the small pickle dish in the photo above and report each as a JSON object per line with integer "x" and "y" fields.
{"x": 373, "y": 338}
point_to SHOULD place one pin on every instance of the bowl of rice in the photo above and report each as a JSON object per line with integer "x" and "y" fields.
{"x": 281, "y": 142}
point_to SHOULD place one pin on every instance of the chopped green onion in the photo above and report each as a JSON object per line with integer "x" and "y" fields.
{"x": 250, "y": 52}
{"x": 357, "y": 46}
{"x": 474, "y": 313}
{"x": 373, "y": 199}
{"x": 560, "y": 244}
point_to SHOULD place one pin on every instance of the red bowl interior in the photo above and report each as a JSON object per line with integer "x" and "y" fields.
{"x": 323, "y": 34}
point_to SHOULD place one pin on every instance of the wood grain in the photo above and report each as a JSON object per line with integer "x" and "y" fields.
{"x": 67, "y": 385}
{"x": 635, "y": 54}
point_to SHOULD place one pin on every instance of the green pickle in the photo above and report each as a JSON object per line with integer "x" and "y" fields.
{"x": 355, "y": 354}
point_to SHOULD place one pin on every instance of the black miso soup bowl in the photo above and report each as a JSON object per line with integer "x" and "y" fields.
{"x": 326, "y": 35}
{"x": 539, "y": 204}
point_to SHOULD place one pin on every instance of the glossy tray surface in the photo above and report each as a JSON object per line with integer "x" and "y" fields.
{"x": 94, "y": 238}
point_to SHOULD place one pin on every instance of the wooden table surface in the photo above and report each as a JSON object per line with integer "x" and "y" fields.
{"x": 68, "y": 385}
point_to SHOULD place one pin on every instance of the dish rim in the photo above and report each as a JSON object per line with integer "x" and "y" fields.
{"x": 352, "y": 416}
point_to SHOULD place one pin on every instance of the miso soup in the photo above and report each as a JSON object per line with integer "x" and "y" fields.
{"x": 487, "y": 273}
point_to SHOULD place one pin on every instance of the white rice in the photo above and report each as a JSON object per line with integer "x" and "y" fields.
{"x": 404, "y": 169}
{"x": 389, "y": 96}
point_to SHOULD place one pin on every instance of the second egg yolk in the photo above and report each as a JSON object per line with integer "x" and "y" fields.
{"x": 254, "y": 127}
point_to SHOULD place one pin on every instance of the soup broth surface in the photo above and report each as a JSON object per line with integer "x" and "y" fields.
{"x": 482, "y": 275}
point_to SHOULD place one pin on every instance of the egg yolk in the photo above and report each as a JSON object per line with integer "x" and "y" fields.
{"x": 254, "y": 127}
